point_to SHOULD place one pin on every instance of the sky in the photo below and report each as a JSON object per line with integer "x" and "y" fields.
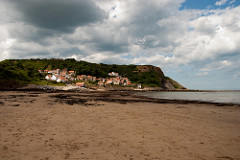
{"x": 195, "y": 42}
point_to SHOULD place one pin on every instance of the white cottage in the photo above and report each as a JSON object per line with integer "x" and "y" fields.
{"x": 54, "y": 78}
{"x": 48, "y": 77}
{"x": 58, "y": 80}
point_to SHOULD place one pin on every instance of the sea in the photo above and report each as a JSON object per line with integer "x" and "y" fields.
{"x": 216, "y": 97}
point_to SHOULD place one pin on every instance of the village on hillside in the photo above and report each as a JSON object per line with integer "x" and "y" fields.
{"x": 66, "y": 76}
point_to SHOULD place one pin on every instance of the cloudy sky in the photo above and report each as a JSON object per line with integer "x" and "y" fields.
{"x": 196, "y": 42}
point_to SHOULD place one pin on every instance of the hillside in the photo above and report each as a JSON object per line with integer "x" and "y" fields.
{"x": 15, "y": 72}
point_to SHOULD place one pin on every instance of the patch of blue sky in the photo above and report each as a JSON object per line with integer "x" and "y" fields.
{"x": 209, "y": 4}
{"x": 234, "y": 3}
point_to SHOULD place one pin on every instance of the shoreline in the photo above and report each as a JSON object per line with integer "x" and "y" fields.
{"x": 74, "y": 88}
{"x": 131, "y": 93}
{"x": 33, "y": 87}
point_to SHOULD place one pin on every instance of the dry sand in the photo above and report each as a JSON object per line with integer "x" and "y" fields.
{"x": 114, "y": 126}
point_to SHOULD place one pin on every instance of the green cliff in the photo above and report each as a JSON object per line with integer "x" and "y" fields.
{"x": 14, "y": 72}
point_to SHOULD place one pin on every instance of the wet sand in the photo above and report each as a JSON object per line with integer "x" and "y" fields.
{"x": 114, "y": 126}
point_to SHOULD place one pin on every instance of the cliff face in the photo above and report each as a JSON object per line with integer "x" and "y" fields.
{"x": 166, "y": 82}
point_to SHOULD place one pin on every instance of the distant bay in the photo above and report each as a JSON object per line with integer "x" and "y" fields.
{"x": 216, "y": 97}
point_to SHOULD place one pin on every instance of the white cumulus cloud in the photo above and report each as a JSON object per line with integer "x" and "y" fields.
{"x": 221, "y": 2}
{"x": 202, "y": 74}
{"x": 153, "y": 32}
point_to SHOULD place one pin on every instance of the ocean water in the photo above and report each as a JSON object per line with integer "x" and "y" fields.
{"x": 222, "y": 97}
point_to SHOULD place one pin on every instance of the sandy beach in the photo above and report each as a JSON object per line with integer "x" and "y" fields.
{"x": 114, "y": 126}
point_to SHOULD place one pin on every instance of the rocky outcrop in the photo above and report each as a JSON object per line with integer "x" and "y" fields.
{"x": 168, "y": 85}
{"x": 175, "y": 84}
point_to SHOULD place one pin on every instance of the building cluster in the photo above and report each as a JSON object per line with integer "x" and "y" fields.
{"x": 86, "y": 78}
{"x": 114, "y": 79}
{"x": 68, "y": 76}
{"x": 59, "y": 75}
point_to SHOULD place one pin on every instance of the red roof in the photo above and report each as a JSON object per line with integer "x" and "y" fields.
{"x": 80, "y": 84}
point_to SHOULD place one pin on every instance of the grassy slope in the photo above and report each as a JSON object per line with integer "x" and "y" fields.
{"x": 21, "y": 72}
